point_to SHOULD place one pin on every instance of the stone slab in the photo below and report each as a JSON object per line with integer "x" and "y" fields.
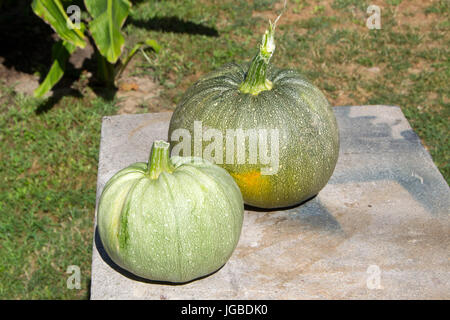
{"x": 380, "y": 229}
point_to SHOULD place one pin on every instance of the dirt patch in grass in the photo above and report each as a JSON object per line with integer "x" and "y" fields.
{"x": 139, "y": 94}
{"x": 413, "y": 13}
{"x": 19, "y": 81}
{"x": 292, "y": 14}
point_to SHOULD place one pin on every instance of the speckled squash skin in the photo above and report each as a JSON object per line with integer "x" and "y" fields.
{"x": 308, "y": 132}
{"x": 177, "y": 227}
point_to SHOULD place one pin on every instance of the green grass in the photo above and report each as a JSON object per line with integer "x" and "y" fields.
{"x": 439, "y": 7}
{"x": 48, "y": 166}
{"x": 48, "y": 161}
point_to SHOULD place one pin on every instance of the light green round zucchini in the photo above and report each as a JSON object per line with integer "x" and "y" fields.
{"x": 174, "y": 219}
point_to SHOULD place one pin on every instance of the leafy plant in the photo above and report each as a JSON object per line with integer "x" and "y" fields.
{"x": 103, "y": 24}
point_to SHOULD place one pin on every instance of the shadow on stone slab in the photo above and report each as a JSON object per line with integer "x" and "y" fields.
{"x": 314, "y": 215}
{"x": 311, "y": 214}
{"x": 257, "y": 209}
{"x": 104, "y": 255}
{"x": 410, "y": 166}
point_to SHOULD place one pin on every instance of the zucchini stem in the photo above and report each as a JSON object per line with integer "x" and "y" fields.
{"x": 256, "y": 78}
{"x": 159, "y": 159}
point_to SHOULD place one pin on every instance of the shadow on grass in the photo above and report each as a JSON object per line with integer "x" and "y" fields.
{"x": 58, "y": 94}
{"x": 26, "y": 39}
{"x": 175, "y": 25}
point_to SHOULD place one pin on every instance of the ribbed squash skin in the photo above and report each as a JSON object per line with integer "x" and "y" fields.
{"x": 308, "y": 132}
{"x": 178, "y": 227}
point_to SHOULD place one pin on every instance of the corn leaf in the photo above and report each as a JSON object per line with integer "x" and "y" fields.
{"x": 140, "y": 45}
{"x": 61, "y": 52}
{"x": 53, "y": 13}
{"x": 108, "y": 18}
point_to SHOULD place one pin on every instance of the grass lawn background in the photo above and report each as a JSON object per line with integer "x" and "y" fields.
{"x": 49, "y": 151}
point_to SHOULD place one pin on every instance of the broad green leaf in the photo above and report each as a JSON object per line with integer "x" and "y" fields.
{"x": 61, "y": 52}
{"x": 52, "y": 12}
{"x": 149, "y": 42}
{"x": 153, "y": 44}
{"x": 108, "y": 18}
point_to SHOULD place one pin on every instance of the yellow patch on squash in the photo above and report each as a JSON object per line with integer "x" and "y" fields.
{"x": 252, "y": 184}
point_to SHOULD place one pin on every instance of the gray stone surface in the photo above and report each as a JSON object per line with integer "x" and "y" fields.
{"x": 380, "y": 229}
